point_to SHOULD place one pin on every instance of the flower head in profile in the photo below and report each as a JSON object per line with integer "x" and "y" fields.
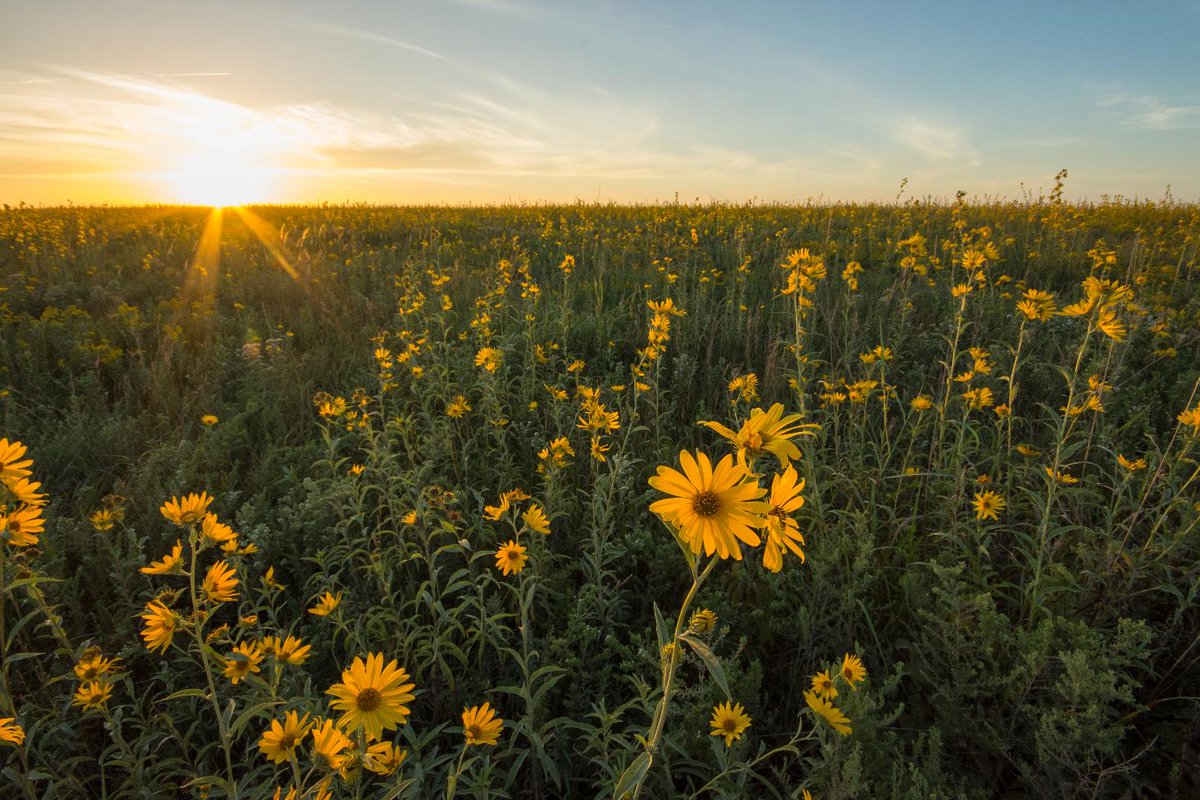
{"x": 703, "y": 621}
{"x": 511, "y": 558}
{"x": 159, "y": 625}
{"x": 328, "y": 745}
{"x": 481, "y": 726}
{"x": 1131, "y": 465}
{"x": 245, "y": 658}
{"x": 729, "y": 720}
{"x": 988, "y": 505}
{"x": 216, "y": 532}
{"x": 186, "y": 510}
{"x": 1037, "y": 305}
{"x": 767, "y": 432}
{"x": 10, "y": 731}
{"x": 13, "y": 466}
{"x": 286, "y": 651}
{"x": 372, "y": 696}
{"x": 536, "y": 520}
{"x": 92, "y": 696}
{"x": 384, "y": 758}
{"x": 783, "y": 533}
{"x": 280, "y": 740}
{"x": 27, "y": 492}
{"x": 1191, "y": 418}
{"x": 712, "y": 509}
{"x": 828, "y": 712}
{"x": 326, "y": 605}
{"x": 853, "y": 672}
{"x": 171, "y": 563}
{"x": 220, "y": 583}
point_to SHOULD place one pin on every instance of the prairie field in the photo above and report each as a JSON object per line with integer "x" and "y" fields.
{"x": 820, "y": 501}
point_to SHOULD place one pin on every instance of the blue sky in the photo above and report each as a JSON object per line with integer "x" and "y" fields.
{"x": 498, "y": 100}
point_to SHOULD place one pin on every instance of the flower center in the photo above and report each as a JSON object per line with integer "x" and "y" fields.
{"x": 288, "y": 741}
{"x": 706, "y": 504}
{"x": 474, "y": 732}
{"x": 369, "y": 699}
{"x": 730, "y": 725}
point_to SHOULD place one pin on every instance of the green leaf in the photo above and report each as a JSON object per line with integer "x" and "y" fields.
{"x": 710, "y": 660}
{"x": 633, "y": 775}
{"x": 660, "y": 625}
{"x": 185, "y": 693}
{"x": 250, "y": 713}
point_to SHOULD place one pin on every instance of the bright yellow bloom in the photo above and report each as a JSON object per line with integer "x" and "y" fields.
{"x": 103, "y": 520}
{"x": 729, "y": 720}
{"x": 209, "y": 419}
{"x": 160, "y": 625}
{"x": 245, "y": 658}
{"x": 765, "y": 432}
{"x": 1037, "y": 305}
{"x": 286, "y": 651}
{"x": 328, "y": 744}
{"x": 828, "y": 712}
{"x": 279, "y": 741}
{"x": 20, "y": 528}
{"x": 481, "y": 725}
{"x": 536, "y": 519}
{"x": 171, "y": 564}
{"x": 186, "y": 510}
{"x": 1028, "y": 450}
{"x": 711, "y": 508}
{"x": 27, "y": 492}
{"x": 384, "y": 758}
{"x": 326, "y": 604}
{"x": 457, "y": 407}
{"x": 921, "y": 403}
{"x": 372, "y": 696}
{"x": 823, "y": 685}
{"x": 852, "y": 670}
{"x": 220, "y": 583}
{"x": 92, "y": 696}
{"x": 215, "y": 532}
{"x": 489, "y": 358}
{"x": 783, "y": 531}
{"x": 93, "y": 666}
{"x": 10, "y": 731}
{"x": 511, "y": 558}
{"x": 988, "y": 505}
{"x": 978, "y": 399}
{"x": 1191, "y": 418}
{"x": 1131, "y": 466}
{"x": 12, "y": 468}
{"x": 1064, "y": 478}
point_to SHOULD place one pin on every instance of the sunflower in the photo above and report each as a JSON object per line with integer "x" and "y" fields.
{"x": 782, "y": 530}
{"x": 12, "y": 469}
{"x": 220, "y": 583}
{"x": 372, "y": 696}
{"x": 92, "y": 665}
{"x": 511, "y": 558}
{"x": 729, "y": 720}
{"x": 326, "y": 605}
{"x": 712, "y": 509}
{"x": 828, "y": 712}
{"x": 171, "y": 564}
{"x": 278, "y": 743}
{"x": 703, "y": 621}
{"x": 481, "y": 725}
{"x": 852, "y": 670}
{"x": 10, "y": 731}
{"x": 328, "y": 744}
{"x": 244, "y": 659}
{"x": 92, "y": 696}
{"x": 103, "y": 520}
{"x": 765, "y": 432}
{"x": 161, "y": 623}
{"x": 286, "y": 651}
{"x": 823, "y": 685}
{"x": 21, "y": 527}
{"x": 988, "y": 505}
{"x": 384, "y": 758}
{"x": 214, "y": 531}
{"x": 186, "y": 510}
{"x": 28, "y": 492}
{"x": 1131, "y": 465}
{"x": 535, "y": 518}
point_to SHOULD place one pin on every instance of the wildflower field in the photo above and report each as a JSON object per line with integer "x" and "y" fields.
{"x": 593, "y": 501}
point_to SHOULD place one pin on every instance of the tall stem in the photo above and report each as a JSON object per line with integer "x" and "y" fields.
{"x": 198, "y": 633}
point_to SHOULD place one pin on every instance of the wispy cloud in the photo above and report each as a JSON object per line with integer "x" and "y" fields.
{"x": 1151, "y": 112}
{"x": 346, "y": 32}
{"x": 936, "y": 141}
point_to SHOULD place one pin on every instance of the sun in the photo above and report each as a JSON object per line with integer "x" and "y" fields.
{"x": 219, "y": 179}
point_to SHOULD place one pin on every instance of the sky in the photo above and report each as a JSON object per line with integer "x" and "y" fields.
{"x": 496, "y": 101}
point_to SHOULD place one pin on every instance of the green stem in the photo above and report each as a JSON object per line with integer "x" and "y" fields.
{"x": 452, "y": 781}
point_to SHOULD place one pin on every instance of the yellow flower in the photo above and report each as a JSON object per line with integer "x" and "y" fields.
{"x": 92, "y": 696}
{"x": 171, "y": 564}
{"x": 828, "y": 712}
{"x": 20, "y": 527}
{"x": 160, "y": 625}
{"x": 852, "y": 670}
{"x": 921, "y": 403}
{"x": 372, "y": 696}
{"x": 244, "y": 659}
{"x": 481, "y": 725}
{"x": 711, "y": 508}
{"x": 220, "y": 583}
{"x": 511, "y": 558}
{"x": 186, "y": 510}
{"x": 783, "y": 531}
{"x": 286, "y": 651}
{"x": 384, "y": 758}
{"x": 1131, "y": 466}
{"x": 765, "y": 432}
{"x": 1064, "y": 478}
{"x": 1189, "y": 417}
{"x": 328, "y": 744}
{"x": 703, "y": 621}
{"x": 1028, "y": 450}
{"x": 10, "y": 731}
{"x": 489, "y": 358}
{"x": 1037, "y": 305}
{"x": 215, "y": 532}
{"x": 103, "y": 520}
{"x": 279, "y": 741}
{"x": 988, "y": 505}
{"x": 458, "y": 407}
{"x": 729, "y": 720}
{"x": 326, "y": 604}
{"x": 978, "y": 399}
{"x": 209, "y": 419}
{"x": 355, "y": 470}
{"x": 823, "y": 685}
{"x": 27, "y": 492}
{"x": 92, "y": 665}
{"x": 535, "y": 518}
{"x": 12, "y": 469}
